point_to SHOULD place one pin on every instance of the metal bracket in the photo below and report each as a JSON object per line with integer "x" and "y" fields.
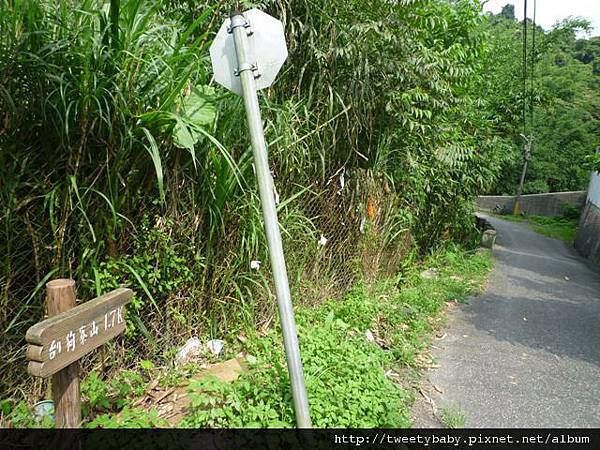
{"x": 247, "y": 25}
{"x": 247, "y": 66}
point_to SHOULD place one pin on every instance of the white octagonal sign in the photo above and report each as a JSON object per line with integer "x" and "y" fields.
{"x": 267, "y": 50}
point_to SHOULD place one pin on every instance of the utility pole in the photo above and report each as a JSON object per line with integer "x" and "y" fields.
{"x": 528, "y": 139}
{"x": 527, "y": 156}
{"x": 525, "y": 67}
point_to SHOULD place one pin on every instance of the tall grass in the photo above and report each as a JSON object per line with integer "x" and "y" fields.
{"x": 122, "y": 162}
{"x": 101, "y": 123}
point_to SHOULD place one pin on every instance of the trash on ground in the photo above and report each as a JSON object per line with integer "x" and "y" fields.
{"x": 215, "y": 346}
{"x": 43, "y": 409}
{"x": 172, "y": 403}
{"x": 189, "y": 351}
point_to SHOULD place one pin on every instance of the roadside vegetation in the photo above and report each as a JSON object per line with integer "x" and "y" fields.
{"x": 123, "y": 163}
{"x": 560, "y": 227}
{"x": 453, "y": 418}
{"x": 362, "y": 354}
{"x": 562, "y": 96}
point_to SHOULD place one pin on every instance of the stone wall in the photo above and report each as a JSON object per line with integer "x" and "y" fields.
{"x": 550, "y": 204}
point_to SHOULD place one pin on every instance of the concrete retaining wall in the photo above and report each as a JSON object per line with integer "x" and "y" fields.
{"x": 587, "y": 240}
{"x": 550, "y": 204}
{"x": 594, "y": 190}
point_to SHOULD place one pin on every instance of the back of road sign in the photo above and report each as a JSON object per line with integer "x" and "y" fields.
{"x": 267, "y": 50}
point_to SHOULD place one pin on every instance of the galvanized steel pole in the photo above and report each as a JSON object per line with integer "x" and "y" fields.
{"x": 246, "y": 70}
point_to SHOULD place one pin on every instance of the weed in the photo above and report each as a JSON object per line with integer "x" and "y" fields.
{"x": 561, "y": 227}
{"x": 128, "y": 418}
{"x": 345, "y": 373}
{"x": 111, "y": 395}
{"x": 19, "y": 415}
{"x": 453, "y": 418}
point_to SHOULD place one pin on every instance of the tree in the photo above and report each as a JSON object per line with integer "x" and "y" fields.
{"x": 508, "y": 12}
{"x": 564, "y": 96}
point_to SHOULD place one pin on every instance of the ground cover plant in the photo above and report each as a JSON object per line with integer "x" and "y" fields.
{"x": 361, "y": 355}
{"x": 560, "y": 227}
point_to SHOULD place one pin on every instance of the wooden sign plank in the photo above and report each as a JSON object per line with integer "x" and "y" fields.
{"x": 62, "y": 339}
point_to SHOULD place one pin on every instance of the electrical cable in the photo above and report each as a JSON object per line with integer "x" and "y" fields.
{"x": 525, "y": 68}
{"x": 533, "y": 56}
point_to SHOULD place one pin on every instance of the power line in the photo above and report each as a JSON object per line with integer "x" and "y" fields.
{"x": 527, "y": 139}
{"x": 533, "y": 57}
{"x": 525, "y": 68}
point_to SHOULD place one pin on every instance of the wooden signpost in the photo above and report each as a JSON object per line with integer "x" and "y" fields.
{"x": 70, "y": 332}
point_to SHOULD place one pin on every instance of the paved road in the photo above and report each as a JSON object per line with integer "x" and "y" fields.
{"x": 527, "y": 352}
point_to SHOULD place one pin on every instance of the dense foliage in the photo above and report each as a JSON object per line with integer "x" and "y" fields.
{"x": 122, "y": 162}
{"x": 562, "y": 101}
{"x": 352, "y": 380}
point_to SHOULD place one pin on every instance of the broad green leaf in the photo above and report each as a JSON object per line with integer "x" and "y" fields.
{"x": 197, "y": 110}
{"x": 183, "y": 136}
{"x": 199, "y": 107}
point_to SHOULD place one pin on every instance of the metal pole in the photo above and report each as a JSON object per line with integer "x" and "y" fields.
{"x": 246, "y": 71}
{"x": 527, "y": 156}
{"x": 516, "y": 205}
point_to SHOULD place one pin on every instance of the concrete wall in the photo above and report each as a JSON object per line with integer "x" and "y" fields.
{"x": 551, "y": 204}
{"x": 594, "y": 190}
{"x": 587, "y": 240}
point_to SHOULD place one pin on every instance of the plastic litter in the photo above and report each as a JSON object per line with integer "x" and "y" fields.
{"x": 43, "y": 409}
{"x": 190, "y": 350}
{"x": 215, "y": 346}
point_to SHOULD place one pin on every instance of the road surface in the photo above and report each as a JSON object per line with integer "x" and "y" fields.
{"x": 526, "y": 353}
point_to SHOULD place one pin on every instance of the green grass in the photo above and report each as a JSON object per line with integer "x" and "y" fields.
{"x": 555, "y": 227}
{"x": 351, "y": 381}
{"x": 453, "y": 418}
{"x": 346, "y": 374}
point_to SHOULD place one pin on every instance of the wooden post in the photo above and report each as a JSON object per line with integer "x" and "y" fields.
{"x": 60, "y": 297}
{"x": 71, "y": 332}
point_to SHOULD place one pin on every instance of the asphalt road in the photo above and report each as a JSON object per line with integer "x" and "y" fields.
{"x": 526, "y": 353}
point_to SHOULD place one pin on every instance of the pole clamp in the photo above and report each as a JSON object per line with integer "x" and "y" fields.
{"x": 247, "y": 66}
{"x": 246, "y": 24}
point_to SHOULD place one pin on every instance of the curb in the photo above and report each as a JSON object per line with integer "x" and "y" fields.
{"x": 488, "y": 233}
